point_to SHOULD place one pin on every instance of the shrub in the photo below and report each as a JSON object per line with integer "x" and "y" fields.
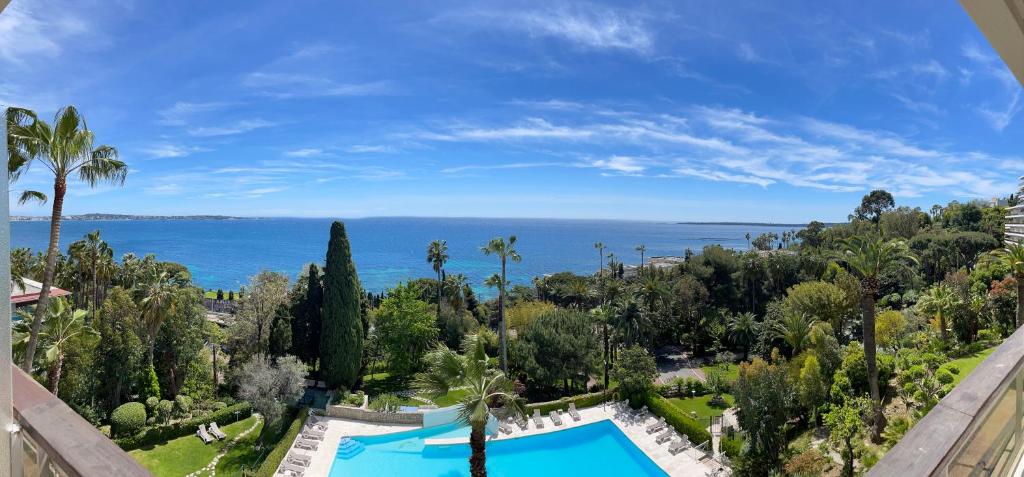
{"x": 182, "y": 405}
{"x": 164, "y": 409}
{"x": 155, "y": 435}
{"x": 677, "y": 419}
{"x": 387, "y": 402}
{"x": 731, "y": 446}
{"x": 276, "y": 455}
{"x": 128, "y": 418}
{"x": 581, "y": 401}
{"x": 151, "y": 403}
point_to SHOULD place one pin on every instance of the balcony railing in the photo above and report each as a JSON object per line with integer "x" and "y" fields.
{"x": 53, "y": 440}
{"x": 976, "y": 430}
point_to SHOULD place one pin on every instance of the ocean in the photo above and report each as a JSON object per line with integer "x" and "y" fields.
{"x": 226, "y": 253}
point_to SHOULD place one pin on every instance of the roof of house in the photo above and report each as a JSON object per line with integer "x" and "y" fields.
{"x": 29, "y": 293}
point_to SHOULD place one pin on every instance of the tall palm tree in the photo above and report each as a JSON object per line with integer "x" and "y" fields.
{"x": 59, "y": 327}
{"x": 795, "y": 330}
{"x": 447, "y": 370}
{"x": 437, "y": 255}
{"x": 67, "y": 149}
{"x": 505, "y": 250}
{"x": 743, "y": 330}
{"x": 157, "y": 304}
{"x": 866, "y": 257}
{"x": 654, "y": 290}
{"x": 633, "y": 322}
{"x": 747, "y": 236}
{"x": 98, "y": 258}
{"x": 939, "y": 301}
{"x": 600, "y": 258}
{"x": 1013, "y": 258}
{"x": 20, "y": 152}
{"x": 603, "y": 315}
{"x": 641, "y": 248}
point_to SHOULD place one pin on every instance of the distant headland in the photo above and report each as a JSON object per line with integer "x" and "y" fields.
{"x": 35, "y": 218}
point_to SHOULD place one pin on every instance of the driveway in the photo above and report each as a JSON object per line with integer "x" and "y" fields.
{"x": 674, "y": 362}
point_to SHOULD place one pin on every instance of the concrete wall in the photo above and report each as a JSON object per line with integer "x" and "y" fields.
{"x": 440, "y": 417}
{"x": 354, "y": 413}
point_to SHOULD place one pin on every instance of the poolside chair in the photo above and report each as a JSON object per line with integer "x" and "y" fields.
{"x": 555, "y": 418}
{"x": 573, "y": 412}
{"x": 313, "y": 434}
{"x": 504, "y": 427}
{"x": 313, "y": 422}
{"x": 679, "y": 445}
{"x": 205, "y": 436}
{"x": 215, "y": 430}
{"x": 306, "y": 444}
{"x": 665, "y": 436}
{"x": 522, "y": 422}
{"x": 538, "y": 422}
{"x": 291, "y": 469}
{"x": 299, "y": 458}
{"x": 657, "y": 426}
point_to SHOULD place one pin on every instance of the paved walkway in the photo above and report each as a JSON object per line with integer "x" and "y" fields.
{"x": 673, "y": 363}
{"x": 690, "y": 463}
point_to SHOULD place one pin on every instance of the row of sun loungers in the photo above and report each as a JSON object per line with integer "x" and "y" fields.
{"x": 295, "y": 463}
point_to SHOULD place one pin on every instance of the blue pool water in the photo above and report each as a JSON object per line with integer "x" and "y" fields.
{"x": 595, "y": 450}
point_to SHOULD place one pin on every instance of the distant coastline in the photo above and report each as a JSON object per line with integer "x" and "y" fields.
{"x": 753, "y": 224}
{"x": 40, "y": 218}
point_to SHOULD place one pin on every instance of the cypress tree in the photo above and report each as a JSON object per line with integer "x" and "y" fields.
{"x": 281, "y": 332}
{"x": 341, "y": 345}
{"x": 314, "y": 306}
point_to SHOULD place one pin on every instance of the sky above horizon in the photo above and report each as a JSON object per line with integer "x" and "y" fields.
{"x": 674, "y": 110}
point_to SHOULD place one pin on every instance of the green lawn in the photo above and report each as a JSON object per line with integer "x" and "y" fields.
{"x": 212, "y": 294}
{"x": 451, "y": 398}
{"x": 968, "y": 363}
{"x": 730, "y": 371}
{"x": 701, "y": 405}
{"x": 188, "y": 454}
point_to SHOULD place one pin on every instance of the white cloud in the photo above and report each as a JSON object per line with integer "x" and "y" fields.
{"x": 37, "y": 29}
{"x": 369, "y": 149}
{"x": 620, "y": 164}
{"x": 586, "y": 26}
{"x": 306, "y": 152}
{"x": 290, "y": 85}
{"x": 238, "y": 127}
{"x": 989, "y": 66}
{"x": 180, "y": 113}
{"x": 167, "y": 150}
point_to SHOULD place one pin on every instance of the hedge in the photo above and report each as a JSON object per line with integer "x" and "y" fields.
{"x": 174, "y": 430}
{"x": 276, "y": 455}
{"x": 676, "y": 418}
{"x": 581, "y": 401}
{"x": 128, "y": 418}
{"x": 731, "y": 447}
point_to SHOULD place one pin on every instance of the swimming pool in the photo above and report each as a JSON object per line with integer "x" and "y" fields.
{"x": 598, "y": 449}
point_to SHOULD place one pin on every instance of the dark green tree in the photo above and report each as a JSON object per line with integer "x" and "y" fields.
{"x": 120, "y": 353}
{"x": 873, "y": 205}
{"x": 281, "y": 332}
{"x": 306, "y": 308}
{"x": 341, "y": 345}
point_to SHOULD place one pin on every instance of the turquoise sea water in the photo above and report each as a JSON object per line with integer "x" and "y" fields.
{"x": 224, "y": 254}
{"x": 594, "y": 450}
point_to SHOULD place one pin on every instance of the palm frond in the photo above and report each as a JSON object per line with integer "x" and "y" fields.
{"x": 31, "y": 196}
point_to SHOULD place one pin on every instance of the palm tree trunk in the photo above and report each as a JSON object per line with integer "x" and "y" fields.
{"x": 59, "y": 188}
{"x": 55, "y": 371}
{"x": 478, "y": 447}
{"x": 439, "y": 293}
{"x": 501, "y": 319}
{"x": 216, "y": 378}
{"x": 868, "y": 309}
{"x": 606, "y": 356}
{"x": 95, "y": 290}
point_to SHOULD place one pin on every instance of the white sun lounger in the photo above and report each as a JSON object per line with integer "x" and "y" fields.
{"x": 215, "y": 430}
{"x": 205, "y": 436}
{"x": 573, "y": 412}
{"x": 678, "y": 446}
{"x": 313, "y": 435}
{"x": 291, "y": 469}
{"x": 538, "y": 422}
{"x": 306, "y": 444}
{"x": 555, "y": 418}
{"x": 504, "y": 427}
{"x": 665, "y": 436}
{"x": 300, "y": 459}
{"x": 657, "y": 426}
{"x": 522, "y": 422}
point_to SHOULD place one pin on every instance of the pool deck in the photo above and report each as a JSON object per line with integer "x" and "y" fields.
{"x": 690, "y": 463}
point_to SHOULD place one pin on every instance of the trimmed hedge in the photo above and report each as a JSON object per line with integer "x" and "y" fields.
{"x": 276, "y": 455}
{"x": 582, "y": 401}
{"x": 731, "y": 447}
{"x": 676, "y": 418}
{"x": 128, "y": 418}
{"x": 158, "y": 434}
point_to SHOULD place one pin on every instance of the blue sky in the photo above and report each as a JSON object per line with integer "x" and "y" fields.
{"x": 676, "y": 110}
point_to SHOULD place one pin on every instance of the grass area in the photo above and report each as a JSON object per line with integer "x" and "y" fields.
{"x": 730, "y": 371}
{"x": 701, "y": 405}
{"x": 451, "y": 398}
{"x": 968, "y": 363}
{"x": 379, "y": 383}
{"x": 188, "y": 454}
{"x": 212, "y": 294}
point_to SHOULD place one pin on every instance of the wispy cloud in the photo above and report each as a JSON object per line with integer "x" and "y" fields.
{"x": 291, "y": 85}
{"x": 989, "y": 66}
{"x": 180, "y": 113}
{"x": 238, "y": 127}
{"x": 587, "y": 26}
{"x": 168, "y": 150}
{"x": 37, "y": 29}
{"x": 370, "y": 149}
{"x": 305, "y": 152}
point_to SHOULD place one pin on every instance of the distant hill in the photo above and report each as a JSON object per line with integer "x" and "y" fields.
{"x": 754, "y": 224}
{"x": 125, "y": 217}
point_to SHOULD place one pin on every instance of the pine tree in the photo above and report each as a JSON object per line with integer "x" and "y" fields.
{"x": 281, "y": 332}
{"x": 341, "y": 345}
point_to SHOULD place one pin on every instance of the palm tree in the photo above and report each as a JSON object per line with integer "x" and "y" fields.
{"x": 600, "y": 258}
{"x": 603, "y": 315}
{"x": 743, "y": 330}
{"x": 867, "y": 257}
{"x": 747, "y": 235}
{"x": 1012, "y": 257}
{"x": 505, "y": 250}
{"x": 20, "y": 152}
{"x": 795, "y": 330}
{"x": 653, "y": 289}
{"x": 98, "y": 258}
{"x": 454, "y": 286}
{"x": 939, "y": 301}
{"x": 157, "y": 304}
{"x": 447, "y": 370}
{"x": 641, "y": 248}
{"x": 632, "y": 321}
{"x": 68, "y": 151}
{"x": 60, "y": 326}
{"x": 437, "y": 255}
